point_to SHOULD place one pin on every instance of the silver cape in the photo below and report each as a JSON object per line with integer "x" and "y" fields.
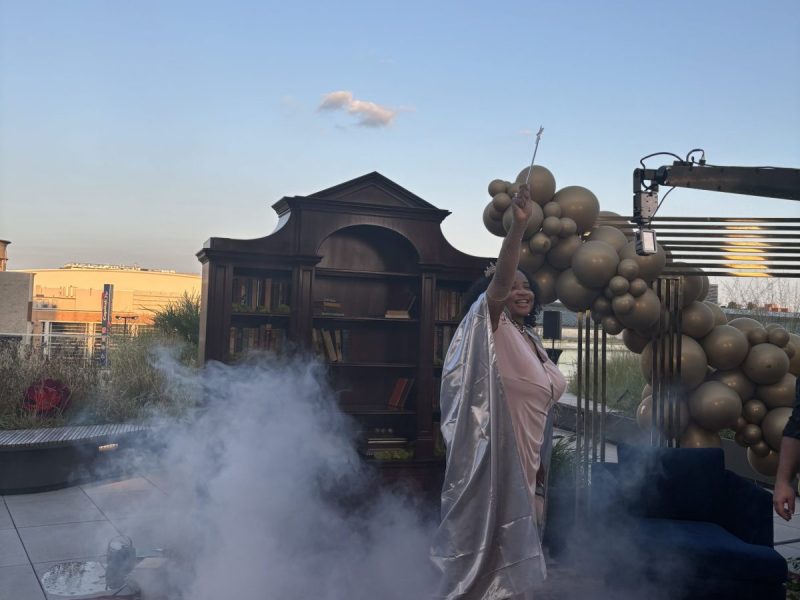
{"x": 487, "y": 546}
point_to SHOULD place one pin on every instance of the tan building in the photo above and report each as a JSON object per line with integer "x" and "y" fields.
{"x": 66, "y": 303}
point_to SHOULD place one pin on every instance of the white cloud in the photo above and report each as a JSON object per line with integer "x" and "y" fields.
{"x": 369, "y": 114}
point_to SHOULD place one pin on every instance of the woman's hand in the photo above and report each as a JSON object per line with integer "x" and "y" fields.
{"x": 522, "y": 205}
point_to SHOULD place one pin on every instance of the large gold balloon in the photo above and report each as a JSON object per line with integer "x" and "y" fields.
{"x": 495, "y": 227}
{"x": 545, "y": 278}
{"x": 778, "y": 394}
{"x": 646, "y": 312}
{"x": 772, "y": 426}
{"x": 675, "y": 419}
{"x": 737, "y": 381}
{"x": 541, "y": 183}
{"x": 580, "y": 205}
{"x": 635, "y": 342}
{"x": 650, "y": 266}
{"x": 754, "y": 411}
{"x": 693, "y": 363}
{"x": 612, "y": 219}
{"x": 766, "y": 465}
{"x": 693, "y": 286}
{"x": 594, "y": 263}
{"x": 697, "y": 437}
{"x": 697, "y": 320}
{"x": 610, "y": 235}
{"x": 726, "y": 347}
{"x": 794, "y": 361}
{"x": 497, "y": 186}
{"x": 765, "y": 364}
{"x": 745, "y": 324}
{"x": 714, "y": 406}
{"x": 719, "y": 316}
{"x": 572, "y": 293}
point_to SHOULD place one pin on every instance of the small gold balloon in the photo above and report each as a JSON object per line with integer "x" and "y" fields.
{"x": 568, "y": 227}
{"x": 765, "y": 364}
{"x": 638, "y": 287}
{"x": 514, "y": 189}
{"x": 740, "y": 424}
{"x": 790, "y": 350}
{"x": 501, "y": 202}
{"x": 757, "y": 336}
{"x": 493, "y": 226}
{"x": 760, "y": 449}
{"x": 697, "y": 320}
{"x": 794, "y": 360}
{"x": 719, "y": 316}
{"x": 560, "y": 256}
{"x": 751, "y": 434}
{"x": 623, "y": 304}
{"x": 552, "y": 209}
{"x": 628, "y": 268}
{"x": 634, "y": 341}
{"x": 611, "y": 325}
{"x": 539, "y": 243}
{"x": 772, "y": 426}
{"x": 697, "y": 437}
{"x": 740, "y": 440}
{"x": 778, "y": 336}
{"x": 737, "y": 381}
{"x": 778, "y": 394}
{"x": 497, "y": 186}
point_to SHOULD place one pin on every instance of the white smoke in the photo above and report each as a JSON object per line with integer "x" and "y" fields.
{"x": 265, "y": 494}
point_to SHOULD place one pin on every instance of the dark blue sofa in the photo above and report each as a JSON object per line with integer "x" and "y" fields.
{"x": 674, "y": 520}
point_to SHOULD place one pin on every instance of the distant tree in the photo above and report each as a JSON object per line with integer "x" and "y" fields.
{"x": 181, "y": 317}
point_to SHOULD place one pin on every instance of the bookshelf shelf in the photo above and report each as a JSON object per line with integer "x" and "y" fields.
{"x": 360, "y": 250}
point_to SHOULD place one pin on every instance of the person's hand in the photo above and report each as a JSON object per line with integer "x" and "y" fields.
{"x": 783, "y": 499}
{"x": 523, "y": 205}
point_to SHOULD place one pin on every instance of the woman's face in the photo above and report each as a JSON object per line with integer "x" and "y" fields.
{"x": 520, "y": 300}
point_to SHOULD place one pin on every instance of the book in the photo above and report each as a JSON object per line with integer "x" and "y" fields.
{"x": 337, "y": 342}
{"x": 401, "y": 313}
{"x": 330, "y": 348}
{"x": 400, "y": 392}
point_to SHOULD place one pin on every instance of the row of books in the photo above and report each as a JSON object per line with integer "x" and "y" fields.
{"x": 328, "y": 307}
{"x": 448, "y": 304}
{"x": 331, "y": 344}
{"x": 264, "y": 337}
{"x": 442, "y": 337}
{"x": 261, "y": 294}
{"x": 400, "y": 392}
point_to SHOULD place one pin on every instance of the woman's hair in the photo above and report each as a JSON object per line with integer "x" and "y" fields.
{"x": 479, "y": 286}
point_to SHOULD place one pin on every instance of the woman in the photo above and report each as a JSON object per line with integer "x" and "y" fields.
{"x": 498, "y": 389}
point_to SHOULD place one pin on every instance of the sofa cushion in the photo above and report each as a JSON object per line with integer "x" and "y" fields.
{"x": 705, "y": 550}
{"x": 672, "y": 483}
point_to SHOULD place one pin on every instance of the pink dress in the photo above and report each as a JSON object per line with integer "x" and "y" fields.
{"x": 524, "y": 376}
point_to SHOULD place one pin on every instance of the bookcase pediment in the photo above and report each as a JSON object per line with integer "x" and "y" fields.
{"x": 373, "y": 189}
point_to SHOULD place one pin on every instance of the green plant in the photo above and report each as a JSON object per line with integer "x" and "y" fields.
{"x": 563, "y": 461}
{"x": 624, "y": 382}
{"x": 180, "y": 317}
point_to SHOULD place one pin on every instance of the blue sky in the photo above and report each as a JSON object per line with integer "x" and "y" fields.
{"x": 130, "y": 132}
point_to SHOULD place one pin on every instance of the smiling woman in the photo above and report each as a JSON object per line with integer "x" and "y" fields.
{"x": 498, "y": 391}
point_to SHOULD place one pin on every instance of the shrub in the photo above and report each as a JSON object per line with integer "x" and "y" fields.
{"x": 624, "y": 382}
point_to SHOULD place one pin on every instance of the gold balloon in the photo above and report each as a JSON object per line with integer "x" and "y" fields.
{"x": 697, "y": 320}
{"x": 551, "y": 226}
{"x": 675, "y": 419}
{"x": 610, "y": 235}
{"x": 619, "y": 286}
{"x": 513, "y": 188}
{"x": 628, "y": 268}
{"x": 772, "y": 426}
{"x": 635, "y": 342}
{"x": 756, "y": 335}
{"x": 745, "y": 324}
{"x": 778, "y": 394}
{"x": 602, "y": 306}
{"x": 545, "y": 278}
{"x": 697, "y": 437}
{"x": 693, "y": 363}
{"x": 751, "y": 434}
{"x": 741, "y": 423}
{"x": 539, "y": 243}
{"x": 737, "y": 381}
{"x": 534, "y": 221}
{"x": 766, "y": 465}
{"x": 595, "y": 263}
{"x": 611, "y": 325}
{"x": 726, "y": 347}
{"x": 638, "y": 286}
{"x": 645, "y": 314}
{"x": 580, "y": 205}
{"x": 572, "y": 293}
{"x": 790, "y": 350}
{"x": 528, "y": 261}
{"x": 719, "y": 316}
{"x": 794, "y": 361}
{"x": 760, "y": 449}
{"x": 495, "y": 227}
{"x": 623, "y": 304}
{"x": 541, "y": 182}
{"x": 714, "y": 406}
{"x": 778, "y": 336}
{"x": 552, "y": 209}
{"x": 497, "y": 186}
{"x": 568, "y": 227}
{"x": 754, "y": 411}
{"x": 765, "y": 364}
{"x": 560, "y": 257}
{"x": 650, "y": 266}
{"x": 740, "y": 440}
{"x": 501, "y": 202}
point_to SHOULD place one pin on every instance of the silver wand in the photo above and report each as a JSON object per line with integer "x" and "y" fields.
{"x": 535, "y": 148}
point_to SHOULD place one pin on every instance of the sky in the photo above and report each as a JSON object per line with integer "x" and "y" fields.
{"x": 131, "y": 132}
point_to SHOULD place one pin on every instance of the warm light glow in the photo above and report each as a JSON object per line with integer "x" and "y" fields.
{"x": 107, "y": 447}
{"x": 745, "y": 266}
{"x": 744, "y": 227}
{"x": 745, "y": 257}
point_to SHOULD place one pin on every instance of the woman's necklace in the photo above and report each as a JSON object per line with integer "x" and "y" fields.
{"x": 520, "y": 328}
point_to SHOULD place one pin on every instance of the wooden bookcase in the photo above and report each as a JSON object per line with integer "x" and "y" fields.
{"x": 324, "y": 279}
